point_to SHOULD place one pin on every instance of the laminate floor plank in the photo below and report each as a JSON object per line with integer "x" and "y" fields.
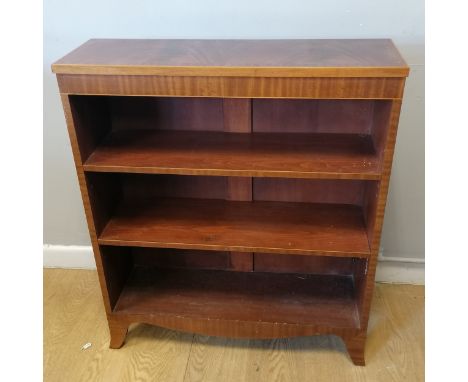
{"x": 74, "y": 315}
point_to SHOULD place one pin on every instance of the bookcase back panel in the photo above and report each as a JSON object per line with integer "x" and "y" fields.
{"x": 123, "y": 259}
{"x": 182, "y": 258}
{"x": 312, "y": 116}
{"x": 325, "y": 265}
{"x": 166, "y": 113}
{"x": 263, "y": 189}
{"x": 309, "y": 190}
{"x": 155, "y": 186}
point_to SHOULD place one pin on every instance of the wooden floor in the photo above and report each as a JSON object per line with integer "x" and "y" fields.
{"x": 74, "y": 315}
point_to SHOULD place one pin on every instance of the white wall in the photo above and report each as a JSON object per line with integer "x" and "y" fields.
{"x": 69, "y": 23}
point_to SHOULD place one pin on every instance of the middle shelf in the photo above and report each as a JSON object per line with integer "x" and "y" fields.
{"x": 254, "y": 226}
{"x": 290, "y": 155}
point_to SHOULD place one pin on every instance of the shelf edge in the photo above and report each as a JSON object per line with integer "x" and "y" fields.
{"x": 233, "y": 248}
{"x": 234, "y": 173}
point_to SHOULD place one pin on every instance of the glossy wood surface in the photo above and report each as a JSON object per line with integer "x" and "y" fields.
{"x": 239, "y": 226}
{"x": 256, "y": 58}
{"x": 233, "y": 296}
{"x": 346, "y": 156}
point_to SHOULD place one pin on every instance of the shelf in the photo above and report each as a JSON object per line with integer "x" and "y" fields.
{"x": 270, "y": 227}
{"x": 235, "y": 58}
{"x": 289, "y": 155}
{"x": 241, "y": 296}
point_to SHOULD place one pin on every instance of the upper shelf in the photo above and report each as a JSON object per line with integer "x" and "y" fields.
{"x": 288, "y": 155}
{"x": 236, "y": 58}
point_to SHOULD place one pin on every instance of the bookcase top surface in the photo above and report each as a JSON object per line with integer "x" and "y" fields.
{"x": 236, "y": 58}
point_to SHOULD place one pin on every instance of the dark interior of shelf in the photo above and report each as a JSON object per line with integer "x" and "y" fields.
{"x": 221, "y": 260}
{"x": 262, "y": 297}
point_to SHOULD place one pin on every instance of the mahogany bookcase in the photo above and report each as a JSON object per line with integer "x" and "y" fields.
{"x": 235, "y": 187}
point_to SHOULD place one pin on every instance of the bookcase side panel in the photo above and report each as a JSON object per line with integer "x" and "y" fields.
{"x": 86, "y": 198}
{"x": 91, "y": 122}
{"x": 375, "y": 210}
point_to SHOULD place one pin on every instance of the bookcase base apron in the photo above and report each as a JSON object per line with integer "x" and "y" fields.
{"x": 354, "y": 340}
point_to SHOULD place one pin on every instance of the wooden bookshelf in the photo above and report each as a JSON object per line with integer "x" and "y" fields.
{"x": 235, "y": 187}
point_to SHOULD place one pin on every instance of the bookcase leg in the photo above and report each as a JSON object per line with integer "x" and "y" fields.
{"x": 118, "y": 332}
{"x": 356, "y": 346}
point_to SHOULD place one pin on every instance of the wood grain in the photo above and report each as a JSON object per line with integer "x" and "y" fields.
{"x": 74, "y": 315}
{"x": 375, "y": 210}
{"x": 346, "y": 156}
{"x": 276, "y": 227}
{"x": 240, "y": 87}
{"x": 258, "y": 58}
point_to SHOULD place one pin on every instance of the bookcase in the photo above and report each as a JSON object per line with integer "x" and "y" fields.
{"x": 235, "y": 187}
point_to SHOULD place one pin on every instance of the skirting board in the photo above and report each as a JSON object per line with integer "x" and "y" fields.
{"x": 389, "y": 270}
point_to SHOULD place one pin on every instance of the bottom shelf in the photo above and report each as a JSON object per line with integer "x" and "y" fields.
{"x": 301, "y": 299}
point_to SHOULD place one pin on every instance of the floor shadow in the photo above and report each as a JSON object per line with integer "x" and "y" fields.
{"x": 316, "y": 343}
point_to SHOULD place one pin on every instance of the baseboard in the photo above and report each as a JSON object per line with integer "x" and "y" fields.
{"x": 389, "y": 270}
{"x": 400, "y": 272}
{"x": 68, "y": 256}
